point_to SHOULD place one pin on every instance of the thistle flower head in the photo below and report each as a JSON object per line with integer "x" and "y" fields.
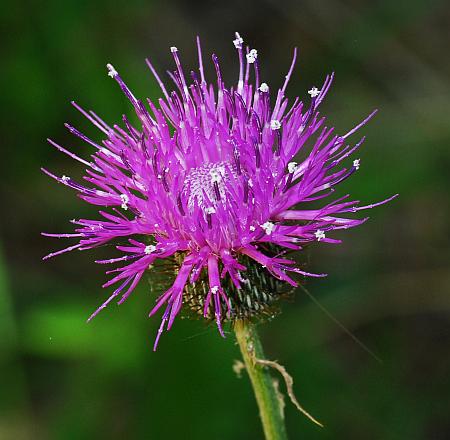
{"x": 209, "y": 179}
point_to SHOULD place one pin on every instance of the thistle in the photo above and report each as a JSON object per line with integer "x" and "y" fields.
{"x": 210, "y": 176}
{"x": 210, "y": 180}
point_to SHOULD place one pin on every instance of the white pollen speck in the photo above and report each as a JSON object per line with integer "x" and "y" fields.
{"x": 264, "y": 88}
{"x": 65, "y": 179}
{"x": 173, "y": 49}
{"x": 356, "y": 164}
{"x": 149, "y": 249}
{"x": 238, "y": 41}
{"x": 275, "y": 124}
{"x": 210, "y": 210}
{"x": 252, "y": 228}
{"x": 268, "y": 227}
{"x": 214, "y": 289}
{"x": 216, "y": 175}
{"x": 111, "y": 71}
{"x": 125, "y": 199}
{"x": 251, "y": 56}
{"x": 314, "y": 92}
{"x": 292, "y": 166}
{"x": 320, "y": 235}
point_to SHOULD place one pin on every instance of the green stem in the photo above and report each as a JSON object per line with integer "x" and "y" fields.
{"x": 262, "y": 382}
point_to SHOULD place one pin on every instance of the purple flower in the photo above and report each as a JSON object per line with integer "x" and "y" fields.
{"x": 208, "y": 179}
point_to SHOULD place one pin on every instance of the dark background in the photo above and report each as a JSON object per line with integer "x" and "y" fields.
{"x": 388, "y": 283}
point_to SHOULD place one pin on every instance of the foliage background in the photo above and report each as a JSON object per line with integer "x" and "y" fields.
{"x": 388, "y": 283}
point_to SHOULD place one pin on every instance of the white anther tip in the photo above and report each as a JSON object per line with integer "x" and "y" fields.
{"x": 275, "y": 124}
{"x": 314, "y": 91}
{"x": 320, "y": 235}
{"x": 292, "y": 166}
{"x": 149, "y": 249}
{"x": 264, "y": 88}
{"x": 251, "y": 56}
{"x": 268, "y": 227}
{"x": 238, "y": 41}
{"x": 125, "y": 199}
{"x": 111, "y": 71}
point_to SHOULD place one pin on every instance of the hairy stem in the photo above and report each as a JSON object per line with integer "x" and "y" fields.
{"x": 266, "y": 394}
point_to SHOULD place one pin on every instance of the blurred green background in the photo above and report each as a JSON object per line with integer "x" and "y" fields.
{"x": 388, "y": 283}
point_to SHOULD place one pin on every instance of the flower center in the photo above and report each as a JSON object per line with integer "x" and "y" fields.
{"x": 206, "y": 185}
